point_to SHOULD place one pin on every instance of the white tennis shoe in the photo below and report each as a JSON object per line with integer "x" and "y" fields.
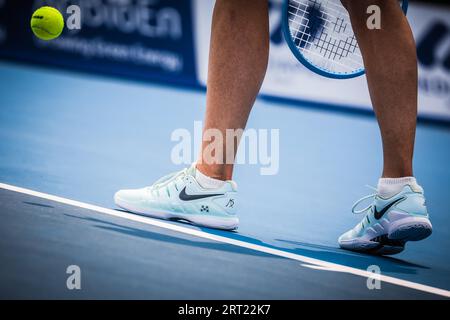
{"x": 389, "y": 223}
{"x": 178, "y": 196}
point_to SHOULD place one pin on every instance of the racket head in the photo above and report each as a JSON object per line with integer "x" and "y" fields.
{"x": 296, "y": 12}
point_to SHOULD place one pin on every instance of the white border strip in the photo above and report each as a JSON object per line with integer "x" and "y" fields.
{"x": 320, "y": 264}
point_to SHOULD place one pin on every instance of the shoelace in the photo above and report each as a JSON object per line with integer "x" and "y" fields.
{"x": 354, "y": 211}
{"x": 167, "y": 179}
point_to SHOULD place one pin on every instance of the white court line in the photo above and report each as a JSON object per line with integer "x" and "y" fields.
{"x": 320, "y": 264}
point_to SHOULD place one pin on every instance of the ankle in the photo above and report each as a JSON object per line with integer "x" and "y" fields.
{"x": 397, "y": 172}
{"x": 218, "y": 172}
{"x": 208, "y": 182}
{"x": 388, "y": 187}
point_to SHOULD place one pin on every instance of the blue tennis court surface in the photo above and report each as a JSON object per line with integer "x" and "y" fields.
{"x": 82, "y": 138}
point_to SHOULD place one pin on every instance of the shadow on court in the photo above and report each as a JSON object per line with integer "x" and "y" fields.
{"x": 325, "y": 253}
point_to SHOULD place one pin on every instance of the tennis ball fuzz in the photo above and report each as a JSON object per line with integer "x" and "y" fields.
{"x": 47, "y": 23}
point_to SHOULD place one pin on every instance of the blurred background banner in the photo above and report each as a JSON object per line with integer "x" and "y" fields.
{"x": 288, "y": 79}
{"x": 166, "y": 41}
{"x": 146, "y": 39}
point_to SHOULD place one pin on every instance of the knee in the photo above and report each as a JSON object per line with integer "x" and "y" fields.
{"x": 360, "y": 6}
{"x": 357, "y": 10}
{"x": 359, "y": 13}
{"x": 354, "y": 6}
{"x": 346, "y": 3}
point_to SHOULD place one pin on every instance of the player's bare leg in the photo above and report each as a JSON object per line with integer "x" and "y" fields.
{"x": 398, "y": 213}
{"x": 237, "y": 64}
{"x": 391, "y": 67}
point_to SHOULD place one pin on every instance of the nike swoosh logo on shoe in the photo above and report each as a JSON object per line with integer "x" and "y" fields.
{"x": 188, "y": 197}
{"x": 378, "y": 214}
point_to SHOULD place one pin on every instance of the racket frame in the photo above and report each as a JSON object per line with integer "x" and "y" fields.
{"x": 304, "y": 61}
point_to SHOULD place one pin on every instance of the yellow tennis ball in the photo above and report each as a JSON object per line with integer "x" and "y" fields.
{"x": 47, "y": 23}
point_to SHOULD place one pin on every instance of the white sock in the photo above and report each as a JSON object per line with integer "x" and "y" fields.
{"x": 388, "y": 187}
{"x": 208, "y": 182}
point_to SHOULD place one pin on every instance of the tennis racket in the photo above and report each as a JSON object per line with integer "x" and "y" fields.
{"x": 320, "y": 36}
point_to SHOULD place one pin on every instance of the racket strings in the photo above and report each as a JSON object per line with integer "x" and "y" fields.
{"x": 328, "y": 46}
{"x": 322, "y": 32}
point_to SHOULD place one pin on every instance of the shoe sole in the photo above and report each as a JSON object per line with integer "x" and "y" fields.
{"x": 414, "y": 229}
{"x": 393, "y": 242}
{"x": 228, "y": 224}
